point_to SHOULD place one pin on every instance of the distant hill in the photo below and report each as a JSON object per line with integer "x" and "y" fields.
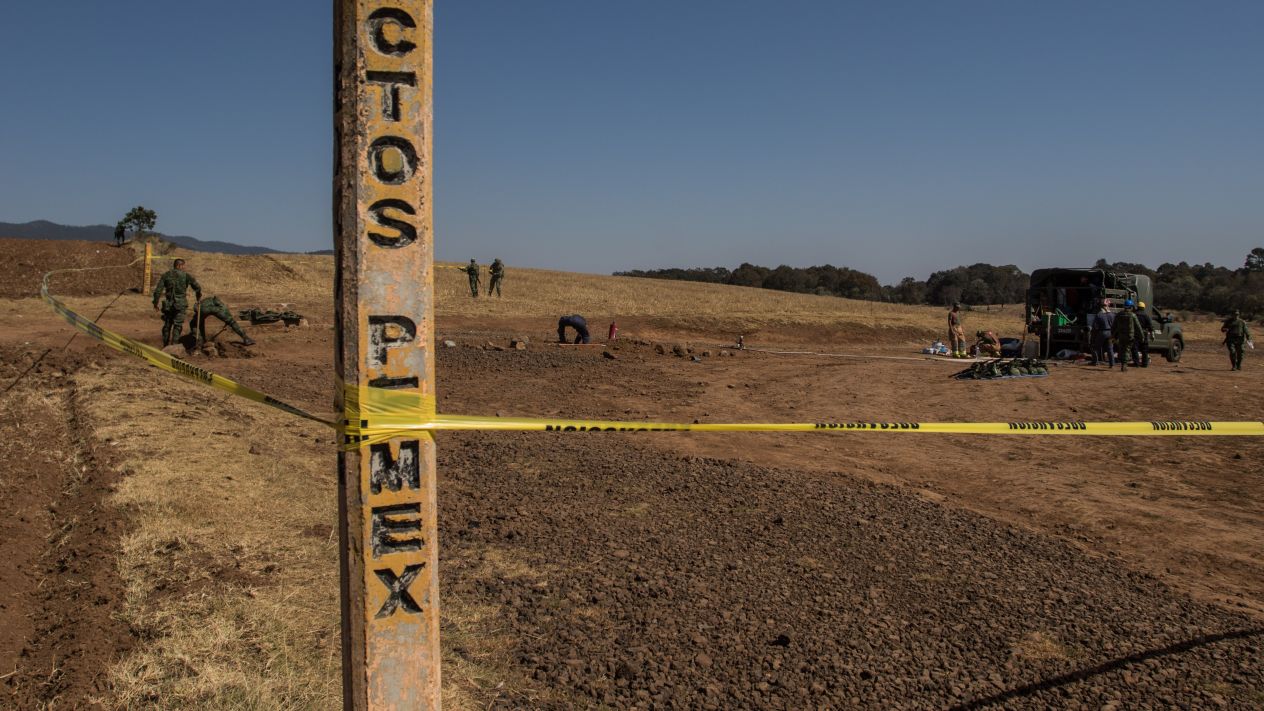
{"x": 43, "y": 229}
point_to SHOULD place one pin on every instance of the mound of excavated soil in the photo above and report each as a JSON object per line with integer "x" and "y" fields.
{"x": 27, "y": 260}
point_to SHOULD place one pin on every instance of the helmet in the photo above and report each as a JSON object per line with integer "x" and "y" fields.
{"x": 1128, "y": 303}
{"x": 1141, "y": 304}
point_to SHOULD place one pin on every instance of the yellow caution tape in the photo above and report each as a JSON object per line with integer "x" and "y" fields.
{"x": 375, "y": 415}
{"x": 166, "y": 361}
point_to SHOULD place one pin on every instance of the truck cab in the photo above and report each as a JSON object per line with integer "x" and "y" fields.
{"x": 1062, "y": 304}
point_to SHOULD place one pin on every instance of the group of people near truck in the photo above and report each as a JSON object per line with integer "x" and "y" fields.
{"x": 1126, "y": 333}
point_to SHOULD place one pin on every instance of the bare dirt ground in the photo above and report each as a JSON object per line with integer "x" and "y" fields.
{"x": 639, "y": 570}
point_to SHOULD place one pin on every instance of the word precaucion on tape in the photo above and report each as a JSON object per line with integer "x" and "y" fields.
{"x": 374, "y": 415}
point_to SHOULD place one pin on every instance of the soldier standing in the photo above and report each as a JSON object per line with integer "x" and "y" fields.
{"x": 171, "y": 287}
{"x": 472, "y": 271}
{"x": 1236, "y": 335}
{"x": 497, "y": 271}
{"x": 212, "y": 306}
{"x": 119, "y": 235}
{"x": 956, "y": 334}
{"x": 1127, "y": 332}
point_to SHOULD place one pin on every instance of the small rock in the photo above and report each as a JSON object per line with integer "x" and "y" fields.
{"x": 660, "y": 349}
{"x": 449, "y": 344}
{"x": 609, "y": 356}
{"x": 706, "y": 354}
{"x": 725, "y": 353}
{"x": 782, "y": 640}
{"x": 680, "y": 350}
{"x": 703, "y": 660}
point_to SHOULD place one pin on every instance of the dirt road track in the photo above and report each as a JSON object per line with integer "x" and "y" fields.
{"x": 58, "y": 540}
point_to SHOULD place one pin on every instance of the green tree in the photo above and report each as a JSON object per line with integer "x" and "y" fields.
{"x": 139, "y": 220}
{"x": 1255, "y": 260}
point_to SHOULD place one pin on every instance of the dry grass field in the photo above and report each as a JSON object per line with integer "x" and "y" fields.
{"x": 937, "y": 573}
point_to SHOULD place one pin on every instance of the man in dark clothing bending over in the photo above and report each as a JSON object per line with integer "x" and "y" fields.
{"x": 576, "y": 322}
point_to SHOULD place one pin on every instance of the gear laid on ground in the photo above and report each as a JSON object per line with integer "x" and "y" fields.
{"x": 1001, "y": 368}
{"x": 262, "y": 316}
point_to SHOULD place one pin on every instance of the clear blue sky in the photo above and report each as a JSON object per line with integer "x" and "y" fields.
{"x": 895, "y": 137}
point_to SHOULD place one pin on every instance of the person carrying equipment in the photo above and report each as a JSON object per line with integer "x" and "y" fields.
{"x": 1236, "y": 335}
{"x": 497, "y": 272}
{"x": 212, "y": 306}
{"x": 171, "y": 287}
{"x": 576, "y": 322}
{"x": 472, "y": 271}
{"x": 956, "y": 334}
{"x": 1127, "y": 332}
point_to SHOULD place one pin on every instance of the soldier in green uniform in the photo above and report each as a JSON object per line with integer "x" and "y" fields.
{"x": 497, "y": 271}
{"x": 1127, "y": 331}
{"x": 171, "y": 288}
{"x": 212, "y": 306}
{"x": 472, "y": 270}
{"x": 1236, "y": 336}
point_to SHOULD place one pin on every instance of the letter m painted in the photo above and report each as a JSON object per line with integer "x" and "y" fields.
{"x": 387, "y": 472}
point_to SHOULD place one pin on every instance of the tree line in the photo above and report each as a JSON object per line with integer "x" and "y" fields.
{"x": 1180, "y": 287}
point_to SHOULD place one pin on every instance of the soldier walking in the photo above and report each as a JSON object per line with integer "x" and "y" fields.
{"x": 472, "y": 271}
{"x": 212, "y": 306}
{"x": 497, "y": 271}
{"x": 1236, "y": 336}
{"x": 1127, "y": 332}
{"x": 171, "y": 288}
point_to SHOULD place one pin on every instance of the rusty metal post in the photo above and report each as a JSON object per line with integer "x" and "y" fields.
{"x": 149, "y": 269}
{"x": 385, "y": 339}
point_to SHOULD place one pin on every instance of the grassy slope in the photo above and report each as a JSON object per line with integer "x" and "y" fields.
{"x": 648, "y": 306}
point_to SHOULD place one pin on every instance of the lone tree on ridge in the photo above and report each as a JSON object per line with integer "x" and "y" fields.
{"x": 139, "y": 221}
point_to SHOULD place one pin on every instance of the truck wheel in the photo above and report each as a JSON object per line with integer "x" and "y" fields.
{"x": 1173, "y": 354}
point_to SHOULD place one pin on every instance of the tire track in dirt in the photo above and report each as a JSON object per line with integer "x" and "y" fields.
{"x": 59, "y": 538}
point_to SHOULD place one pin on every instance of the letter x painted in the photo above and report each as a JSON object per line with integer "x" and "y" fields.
{"x": 398, "y": 587}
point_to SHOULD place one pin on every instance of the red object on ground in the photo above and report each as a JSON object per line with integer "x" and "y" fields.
{"x": 614, "y": 331}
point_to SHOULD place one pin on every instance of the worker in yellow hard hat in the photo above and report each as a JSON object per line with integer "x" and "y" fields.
{"x": 1141, "y": 349}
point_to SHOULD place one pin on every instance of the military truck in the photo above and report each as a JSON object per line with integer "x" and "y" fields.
{"x": 1061, "y": 304}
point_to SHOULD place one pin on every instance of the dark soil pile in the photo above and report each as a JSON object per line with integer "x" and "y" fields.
{"x": 27, "y": 260}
